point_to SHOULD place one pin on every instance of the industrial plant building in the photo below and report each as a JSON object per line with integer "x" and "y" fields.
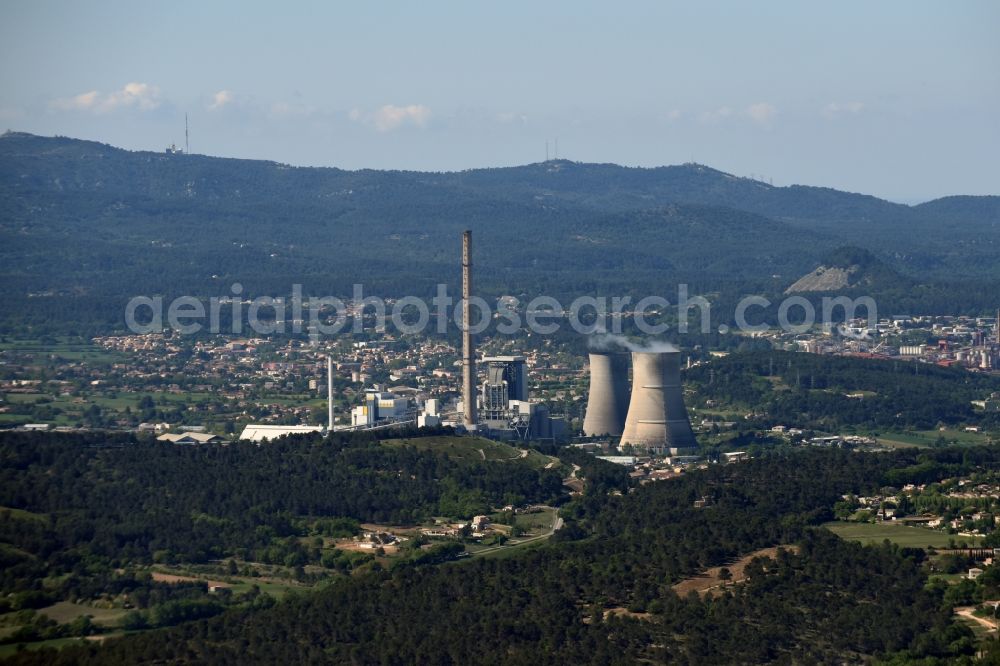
{"x": 380, "y": 406}
{"x": 505, "y": 410}
{"x": 259, "y": 433}
{"x": 506, "y": 380}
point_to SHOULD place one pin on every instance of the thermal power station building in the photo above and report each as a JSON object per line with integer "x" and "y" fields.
{"x": 505, "y": 408}
{"x": 657, "y": 417}
{"x": 506, "y": 380}
{"x": 607, "y": 403}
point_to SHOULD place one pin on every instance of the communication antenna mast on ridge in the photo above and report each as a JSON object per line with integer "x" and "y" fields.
{"x": 546, "y": 151}
{"x": 187, "y": 146}
{"x": 557, "y": 147}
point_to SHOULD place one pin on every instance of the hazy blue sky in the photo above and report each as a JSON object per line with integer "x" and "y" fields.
{"x": 897, "y": 99}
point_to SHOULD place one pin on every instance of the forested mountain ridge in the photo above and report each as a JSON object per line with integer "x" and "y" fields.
{"x": 605, "y": 186}
{"x": 210, "y": 502}
{"x": 125, "y": 223}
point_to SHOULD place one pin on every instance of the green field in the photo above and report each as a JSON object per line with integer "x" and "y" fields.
{"x": 72, "y": 408}
{"x": 238, "y": 584}
{"x": 537, "y": 530}
{"x": 902, "y": 535}
{"x": 900, "y": 440}
{"x": 21, "y": 514}
{"x": 63, "y": 348}
{"x": 534, "y": 523}
{"x": 276, "y": 590}
{"x": 65, "y": 612}
{"x": 509, "y": 550}
{"x": 919, "y": 438}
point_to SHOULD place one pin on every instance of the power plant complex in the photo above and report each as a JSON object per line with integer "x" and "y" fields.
{"x": 496, "y": 402}
{"x": 652, "y": 417}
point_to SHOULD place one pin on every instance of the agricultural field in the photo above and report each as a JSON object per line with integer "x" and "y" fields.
{"x": 271, "y": 585}
{"x": 902, "y": 535}
{"x": 53, "y": 350}
{"x": 65, "y": 612}
{"x": 924, "y": 438}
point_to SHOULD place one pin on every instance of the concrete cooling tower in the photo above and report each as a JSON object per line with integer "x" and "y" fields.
{"x": 608, "y": 399}
{"x": 656, "y": 413}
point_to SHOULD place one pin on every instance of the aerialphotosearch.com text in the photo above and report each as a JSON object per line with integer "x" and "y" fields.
{"x": 544, "y": 315}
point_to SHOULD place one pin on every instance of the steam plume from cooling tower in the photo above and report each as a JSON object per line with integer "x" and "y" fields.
{"x": 609, "y": 342}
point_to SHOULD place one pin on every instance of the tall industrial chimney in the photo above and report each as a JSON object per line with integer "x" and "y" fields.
{"x": 329, "y": 392}
{"x": 468, "y": 349}
{"x": 656, "y": 413}
{"x": 607, "y": 402}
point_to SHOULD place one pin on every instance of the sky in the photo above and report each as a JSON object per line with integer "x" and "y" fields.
{"x": 900, "y": 99}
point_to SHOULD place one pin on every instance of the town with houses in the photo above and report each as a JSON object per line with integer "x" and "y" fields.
{"x": 190, "y": 390}
{"x": 965, "y": 342}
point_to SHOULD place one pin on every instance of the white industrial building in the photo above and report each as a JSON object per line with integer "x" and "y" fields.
{"x": 259, "y": 433}
{"x": 190, "y": 438}
{"x": 380, "y": 405}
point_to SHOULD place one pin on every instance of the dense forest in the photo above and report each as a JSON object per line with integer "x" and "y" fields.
{"x": 96, "y": 501}
{"x": 818, "y": 599}
{"x": 127, "y": 223}
{"x": 814, "y": 391}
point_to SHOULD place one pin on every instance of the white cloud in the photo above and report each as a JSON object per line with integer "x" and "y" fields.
{"x": 141, "y": 95}
{"x": 136, "y": 95}
{"x": 716, "y": 115}
{"x": 835, "y": 109}
{"x": 85, "y": 100}
{"x": 390, "y": 117}
{"x": 761, "y": 112}
{"x": 221, "y": 99}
